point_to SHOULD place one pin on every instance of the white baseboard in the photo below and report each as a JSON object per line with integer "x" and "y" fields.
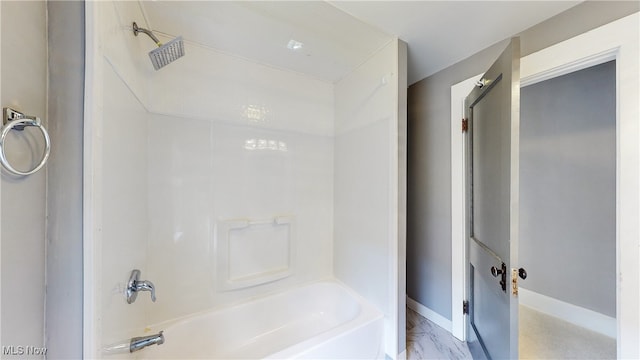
{"x": 574, "y": 314}
{"x": 429, "y": 314}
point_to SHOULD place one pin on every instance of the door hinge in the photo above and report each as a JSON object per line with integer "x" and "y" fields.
{"x": 465, "y": 125}
{"x": 465, "y": 307}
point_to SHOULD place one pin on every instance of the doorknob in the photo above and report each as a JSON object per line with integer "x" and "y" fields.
{"x": 522, "y": 273}
{"x": 515, "y": 273}
{"x": 495, "y": 271}
{"x": 503, "y": 278}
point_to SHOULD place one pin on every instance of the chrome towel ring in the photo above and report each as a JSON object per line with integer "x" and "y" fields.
{"x": 15, "y": 120}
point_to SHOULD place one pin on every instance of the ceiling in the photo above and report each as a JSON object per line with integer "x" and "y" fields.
{"x": 441, "y": 33}
{"x": 338, "y": 36}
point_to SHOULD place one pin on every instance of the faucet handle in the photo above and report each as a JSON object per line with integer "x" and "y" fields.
{"x": 135, "y": 285}
{"x": 146, "y": 285}
{"x": 153, "y": 295}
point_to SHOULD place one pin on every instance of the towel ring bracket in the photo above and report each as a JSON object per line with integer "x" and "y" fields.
{"x": 15, "y": 120}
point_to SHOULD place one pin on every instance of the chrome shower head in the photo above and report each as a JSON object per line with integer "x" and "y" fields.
{"x": 165, "y": 53}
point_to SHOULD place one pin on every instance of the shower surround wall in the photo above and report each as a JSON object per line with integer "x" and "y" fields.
{"x": 179, "y": 159}
{"x": 212, "y": 138}
{"x": 369, "y": 180}
{"x": 243, "y": 152}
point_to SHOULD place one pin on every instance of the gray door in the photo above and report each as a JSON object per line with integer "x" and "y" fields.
{"x": 492, "y": 189}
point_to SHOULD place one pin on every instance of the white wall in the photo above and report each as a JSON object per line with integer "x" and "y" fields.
{"x": 23, "y": 78}
{"x": 367, "y": 174}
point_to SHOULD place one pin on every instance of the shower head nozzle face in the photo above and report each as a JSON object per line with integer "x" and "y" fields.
{"x": 167, "y": 53}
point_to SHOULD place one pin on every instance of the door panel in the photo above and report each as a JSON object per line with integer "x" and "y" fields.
{"x": 491, "y": 179}
{"x": 489, "y": 319}
{"x": 492, "y": 191}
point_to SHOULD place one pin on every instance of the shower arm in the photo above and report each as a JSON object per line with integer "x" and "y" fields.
{"x": 137, "y": 29}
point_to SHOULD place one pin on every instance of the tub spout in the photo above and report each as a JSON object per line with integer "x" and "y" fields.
{"x": 138, "y": 343}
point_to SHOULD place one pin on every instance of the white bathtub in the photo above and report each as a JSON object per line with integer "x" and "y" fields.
{"x": 323, "y": 320}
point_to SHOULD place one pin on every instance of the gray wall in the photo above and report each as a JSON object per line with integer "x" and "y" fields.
{"x": 23, "y": 79}
{"x": 568, "y": 187}
{"x": 63, "y": 333}
{"x": 429, "y": 155}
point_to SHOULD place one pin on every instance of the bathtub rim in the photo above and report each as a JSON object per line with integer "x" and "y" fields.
{"x": 367, "y": 315}
{"x": 330, "y": 280}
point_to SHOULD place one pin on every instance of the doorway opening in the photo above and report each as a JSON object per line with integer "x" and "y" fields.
{"x": 614, "y": 41}
{"x": 568, "y": 215}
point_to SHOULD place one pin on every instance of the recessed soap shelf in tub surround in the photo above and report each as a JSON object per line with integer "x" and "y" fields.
{"x": 254, "y": 251}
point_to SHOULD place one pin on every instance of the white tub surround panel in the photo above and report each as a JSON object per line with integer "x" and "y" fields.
{"x": 203, "y": 174}
{"x": 214, "y": 152}
{"x": 124, "y": 209}
{"x": 122, "y": 49}
{"x": 117, "y": 156}
{"x": 209, "y": 138}
{"x": 366, "y": 237}
{"x": 212, "y": 85}
{"x": 216, "y": 86}
{"x": 232, "y": 139}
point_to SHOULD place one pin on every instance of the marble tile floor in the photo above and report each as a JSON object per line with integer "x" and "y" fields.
{"x": 426, "y": 340}
{"x": 541, "y": 337}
